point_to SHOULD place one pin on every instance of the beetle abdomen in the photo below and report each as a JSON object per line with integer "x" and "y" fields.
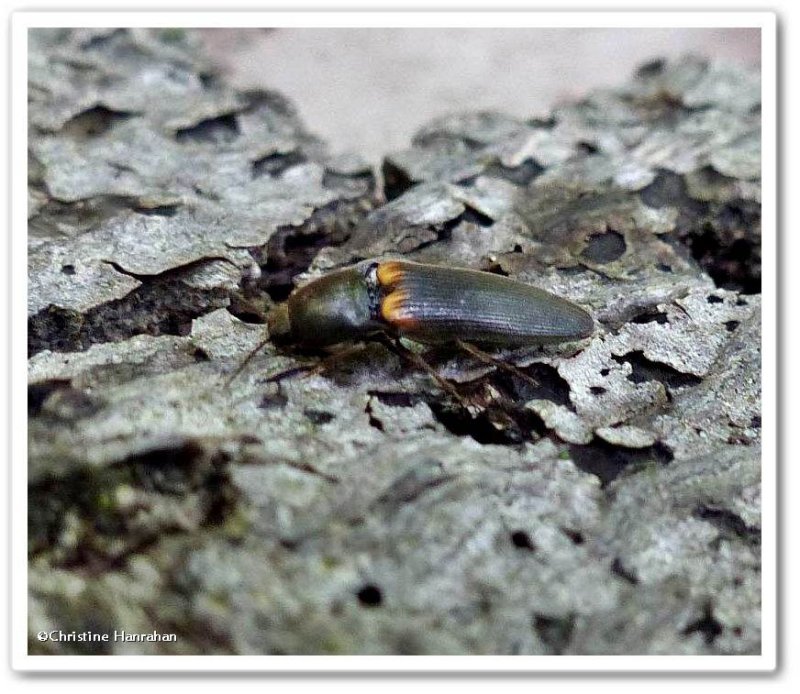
{"x": 430, "y": 303}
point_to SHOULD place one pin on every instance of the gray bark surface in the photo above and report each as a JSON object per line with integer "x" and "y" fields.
{"x": 614, "y": 508}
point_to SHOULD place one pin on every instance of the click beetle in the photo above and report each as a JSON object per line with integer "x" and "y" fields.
{"x": 431, "y": 304}
{"x": 387, "y": 299}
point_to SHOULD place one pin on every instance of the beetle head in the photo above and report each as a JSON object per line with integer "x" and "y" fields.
{"x": 278, "y": 324}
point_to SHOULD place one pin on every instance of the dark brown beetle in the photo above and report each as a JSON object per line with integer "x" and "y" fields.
{"x": 431, "y": 304}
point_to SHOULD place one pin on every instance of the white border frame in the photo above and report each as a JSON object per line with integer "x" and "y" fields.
{"x": 20, "y": 660}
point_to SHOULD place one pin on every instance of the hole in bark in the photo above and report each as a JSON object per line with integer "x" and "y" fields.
{"x": 273, "y": 401}
{"x": 159, "y": 210}
{"x": 597, "y": 390}
{"x": 39, "y": 392}
{"x": 169, "y": 470}
{"x": 220, "y": 130}
{"x": 723, "y": 239}
{"x": 492, "y": 425}
{"x": 618, "y": 569}
{"x": 643, "y": 369}
{"x": 395, "y": 180}
{"x": 474, "y": 216}
{"x": 740, "y": 439}
{"x": 495, "y": 269}
{"x": 547, "y": 123}
{"x": 729, "y": 523}
{"x": 500, "y": 420}
{"x": 208, "y": 80}
{"x": 555, "y": 632}
{"x": 657, "y": 317}
{"x": 295, "y": 256}
{"x": 575, "y": 536}
{"x": 551, "y": 385}
{"x": 714, "y": 299}
{"x": 161, "y": 305}
{"x": 731, "y": 325}
{"x": 93, "y": 122}
{"x": 732, "y": 265}
{"x": 290, "y": 251}
{"x": 607, "y": 461}
{"x": 68, "y": 269}
{"x": 394, "y": 399}
{"x": 370, "y": 595}
{"x": 520, "y": 175}
{"x": 246, "y": 315}
{"x": 200, "y": 354}
{"x": 318, "y": 416}
{"x": 372, "y": 420}
{"x": 668, "y": 189}
{"x": 707, "y": 625}
{"x": 218, "y": 493}
{"x": 275, "y": 165}
{"x": 521, "y": 540}
{"x": 604, "y": 248}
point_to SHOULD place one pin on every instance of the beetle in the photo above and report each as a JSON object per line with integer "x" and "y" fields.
{"x": 430, "y": 304}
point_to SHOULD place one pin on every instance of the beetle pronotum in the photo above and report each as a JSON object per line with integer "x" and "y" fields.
{"x": 431, "y": 304}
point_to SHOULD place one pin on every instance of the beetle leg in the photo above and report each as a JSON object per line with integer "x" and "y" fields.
{"x": 305, "y": 369}
{"x": 325, "y": 364}
{"x": 397, "y": 347}
{"x": 280, "y": 375}
{"x": 319, "y": 367}
{"x": 480, "y": 355}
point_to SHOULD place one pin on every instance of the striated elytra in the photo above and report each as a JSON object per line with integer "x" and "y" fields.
{"x": 431, "y": 304}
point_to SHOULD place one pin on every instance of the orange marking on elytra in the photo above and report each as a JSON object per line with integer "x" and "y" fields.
{"x": 393, "y": 310}
{"x": 390, "y": 273}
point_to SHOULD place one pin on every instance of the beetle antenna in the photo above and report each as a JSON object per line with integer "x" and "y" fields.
{"x": 247, "y": 360}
